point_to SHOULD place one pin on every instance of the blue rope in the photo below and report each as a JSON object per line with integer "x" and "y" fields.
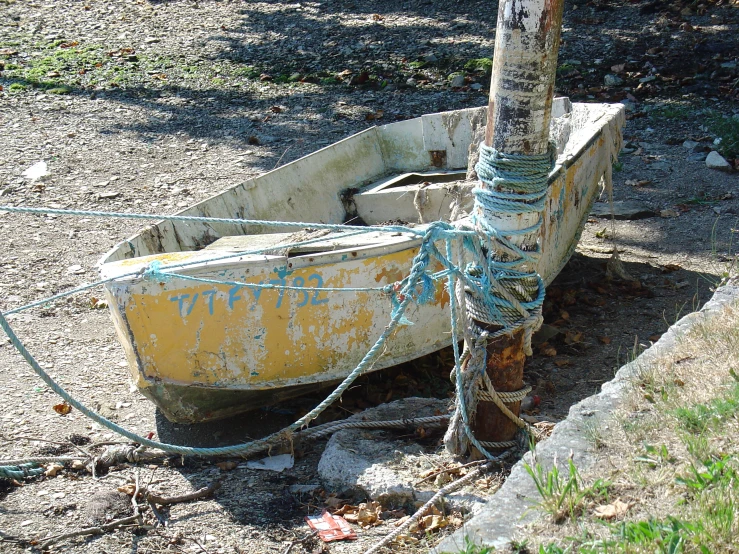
{"x": 512, "y": 184}
{"x": 20, "y": 471}
{"x": 408, "y": 293}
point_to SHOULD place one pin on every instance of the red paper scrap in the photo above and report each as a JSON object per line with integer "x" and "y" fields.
{"x": 331, "y": 527}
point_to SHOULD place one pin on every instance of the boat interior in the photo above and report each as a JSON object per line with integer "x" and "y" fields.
{"x": 406, "y": 173}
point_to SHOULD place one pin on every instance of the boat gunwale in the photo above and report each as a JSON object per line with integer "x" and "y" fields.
{"x": 564, "y": 162}
{"x": 219, "y": 262}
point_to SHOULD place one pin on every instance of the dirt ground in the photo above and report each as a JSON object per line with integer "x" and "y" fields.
{"x": 153, "y": 105}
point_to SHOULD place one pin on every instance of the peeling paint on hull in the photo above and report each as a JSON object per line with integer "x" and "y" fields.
{"x": 202, "y": 351}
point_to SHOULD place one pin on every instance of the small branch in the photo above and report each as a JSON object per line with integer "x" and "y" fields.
{"x": 449, "y": 470}
{"x": 300, "y": 541}
{"x": 451, "y": 487}
{"x": 136, "y": 518}
{"x": 60, "y": 443}
{"x": 157, "y": 513}
{"x": 100, "y": 530}
{"x": 200, "y": 493}
{"x": 135, "y": 504}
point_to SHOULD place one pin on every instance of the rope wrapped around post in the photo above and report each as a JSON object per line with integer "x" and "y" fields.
{"x": 503, "y": 291}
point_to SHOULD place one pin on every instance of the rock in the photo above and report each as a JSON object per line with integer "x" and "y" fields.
{"x": 697, "y": 157}
{"x": 668, "y": 213}
{"x": 476, "y": 86}
{"x": 377, "y": 465}
{"x": 457, "y": 81}
{"x": 714, "y": 160}
{"x": 623, "y": 209}
{"x": 430, "y": 58}
{"x": 647, "y": 79}
{"x": 630, "y": 105}
{"x": 690, "y": 144}
{"x": 612, "y": 80}
{"x": 36, "y": 172}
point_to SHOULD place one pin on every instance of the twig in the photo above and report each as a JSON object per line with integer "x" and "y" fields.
{"x": 136, "y": 491}
{"x": 449, "y": 470}
{"x": 60, "y": 443}
{"x": 134, "y": 519}
{"x": 283, "y": 155}
{"x": 200, "y": 493}
{"x": 197, "y": 543}
{"x": 451, "y": 487}
{"x": 301, "y": 541}
{"x": 100, "y": 530}
{"x": 157, "y": 513}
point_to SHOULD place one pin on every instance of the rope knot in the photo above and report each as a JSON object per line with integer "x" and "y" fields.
{"x": 153, "y": 272}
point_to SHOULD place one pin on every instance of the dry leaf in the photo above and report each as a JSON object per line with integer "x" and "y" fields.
{"x": 613, "y": 510}
{"x": 432, "y": 523}
{"x": 53, "y": 469}
{"x": 547, "y": 350}
{"x": 373, "y": 116}
{"x": 226, "y": 466}
{"x": 333, "y": 502}
{"x": 63, "y": 408}
{"x": 128, "y": 488}
{"x": 605, "y": 340}
{"x": 369, "y": 514}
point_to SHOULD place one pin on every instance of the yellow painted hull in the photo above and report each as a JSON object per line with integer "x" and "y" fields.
{"x": 208, "y": 348}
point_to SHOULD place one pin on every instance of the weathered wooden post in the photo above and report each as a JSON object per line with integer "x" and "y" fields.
{"x": 519, "y": 112}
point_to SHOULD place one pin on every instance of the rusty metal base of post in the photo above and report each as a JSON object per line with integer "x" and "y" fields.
{"x": 505, "y": 361}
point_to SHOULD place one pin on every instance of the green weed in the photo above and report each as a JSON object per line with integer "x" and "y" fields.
{"x": 655, "y": 456}
{"x": 726, "y": 129}
{"x": 697, "y": 419}
{"x": 564, "y": 496}
{"x": 479, "y": 64}
{"x": 472, "y": 548}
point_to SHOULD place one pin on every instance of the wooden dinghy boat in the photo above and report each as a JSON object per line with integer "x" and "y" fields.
{"x": 209, "y": 348}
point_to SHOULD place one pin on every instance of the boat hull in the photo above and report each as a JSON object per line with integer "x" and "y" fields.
{"x": 208, "y": 348}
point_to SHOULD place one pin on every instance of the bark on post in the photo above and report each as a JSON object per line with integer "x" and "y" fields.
{"x": 519, "y": 112}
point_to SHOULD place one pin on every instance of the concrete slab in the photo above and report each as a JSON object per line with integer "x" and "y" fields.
{"x": 378, "y": 465}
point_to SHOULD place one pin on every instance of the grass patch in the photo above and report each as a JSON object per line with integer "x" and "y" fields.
{"x": 480, "y": 64}
{"x": 63, "y": 66}
{"x": 702, "y": 417}
{"x": 666, "y": 479}
{"x": 727, "y": 129}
